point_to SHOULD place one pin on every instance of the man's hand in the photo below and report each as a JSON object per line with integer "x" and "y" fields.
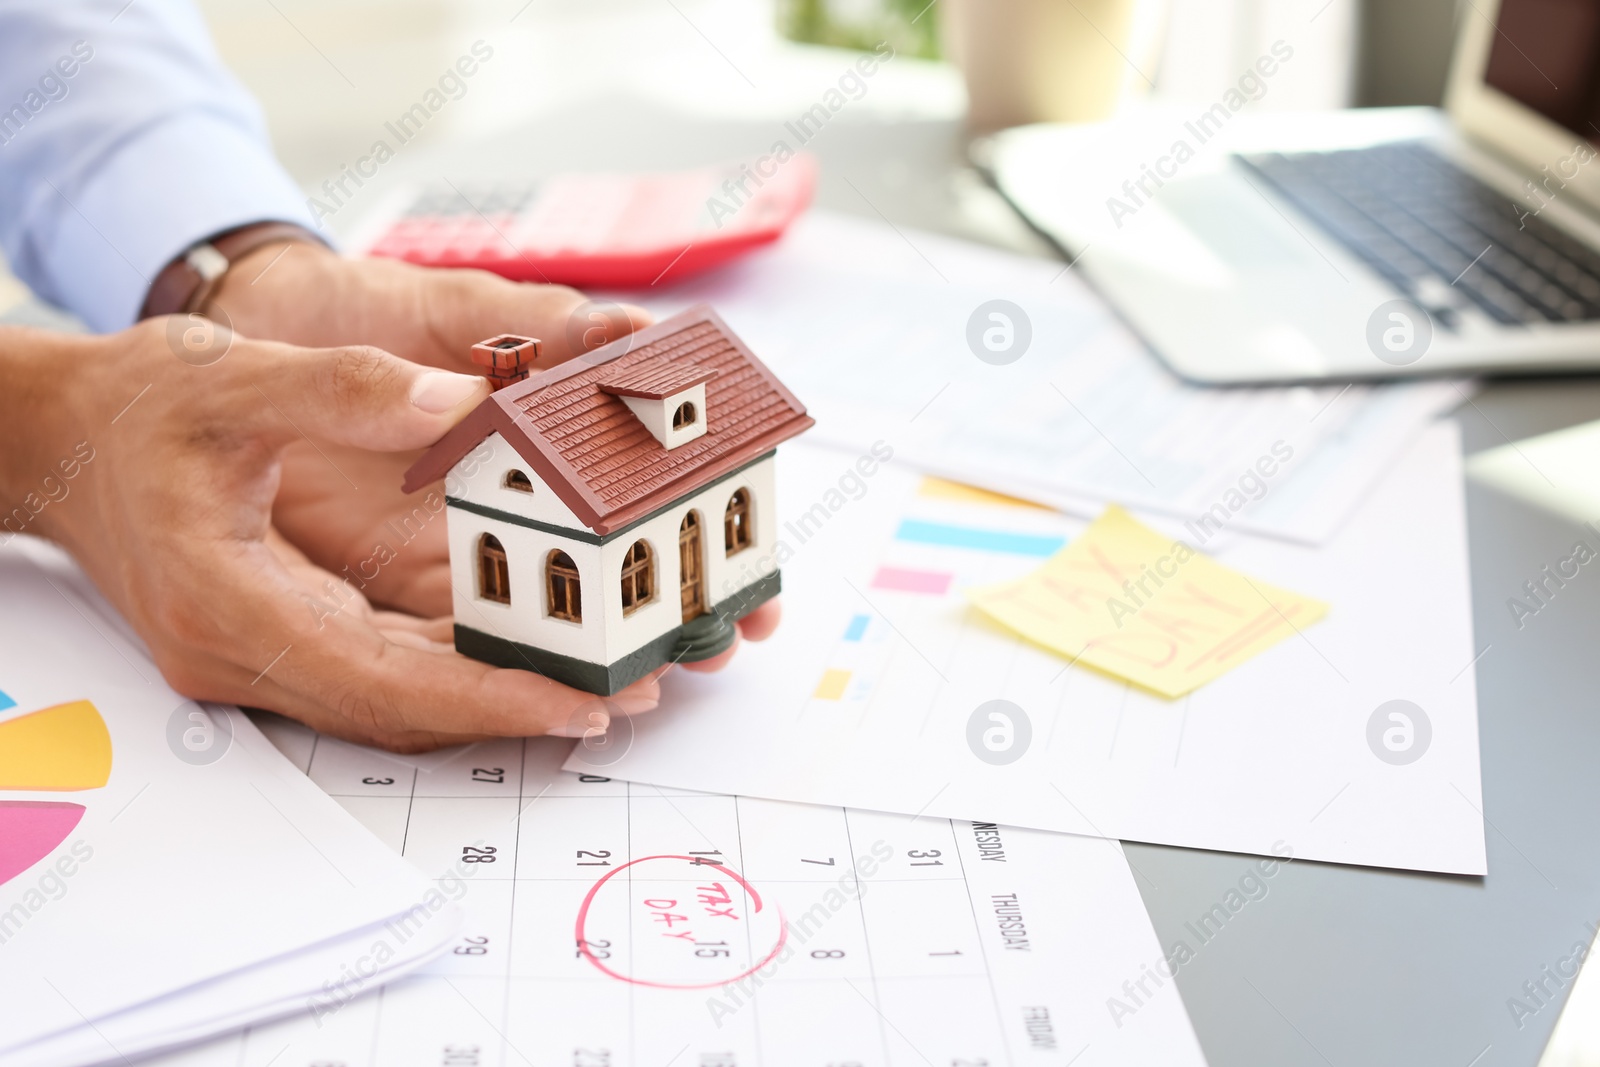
{"x": 335, "y": 502}
{"x": 173, "y": 521}
{"x": 307, "y": 295}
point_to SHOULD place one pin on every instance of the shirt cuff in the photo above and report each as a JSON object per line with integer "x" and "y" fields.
{"x": 172, "y": 185}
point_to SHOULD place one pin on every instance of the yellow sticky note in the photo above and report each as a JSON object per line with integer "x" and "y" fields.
{"x": 1127, "y": 601}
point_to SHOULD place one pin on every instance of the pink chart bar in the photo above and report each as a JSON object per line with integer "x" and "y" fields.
{"x": 901, "y": 580}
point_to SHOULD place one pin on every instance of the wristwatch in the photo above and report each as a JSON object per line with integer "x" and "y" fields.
{"x": 185, "y": 284}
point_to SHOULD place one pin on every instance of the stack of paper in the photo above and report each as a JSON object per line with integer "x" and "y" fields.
{"x": 940, "y": 658}
{"x": 165, "y": 874}
{"x": 644, "y": 927}
{"x": 1353, "y": 740}
{"x": 884, "y": 334}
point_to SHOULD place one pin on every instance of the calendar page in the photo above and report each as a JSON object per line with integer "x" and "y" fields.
{"x": 619, "y": 925}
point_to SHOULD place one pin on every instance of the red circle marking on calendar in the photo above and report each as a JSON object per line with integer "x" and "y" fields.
{"x": 755, "y": 897}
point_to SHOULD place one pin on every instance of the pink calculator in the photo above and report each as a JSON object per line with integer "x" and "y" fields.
{"x": 598, "y": 230}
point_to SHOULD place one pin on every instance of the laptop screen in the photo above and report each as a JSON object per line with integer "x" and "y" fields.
{"x": 1544, "y": 56}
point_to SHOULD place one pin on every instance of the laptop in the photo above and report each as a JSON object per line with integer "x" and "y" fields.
{"x": 1257, "y": 246}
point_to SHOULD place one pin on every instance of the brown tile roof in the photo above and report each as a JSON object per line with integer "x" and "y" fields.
{"x": 596, "y": 455}
{"x": 655, "y": 380}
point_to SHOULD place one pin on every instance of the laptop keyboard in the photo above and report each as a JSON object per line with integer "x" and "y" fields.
{"x": 1438, "y": 234}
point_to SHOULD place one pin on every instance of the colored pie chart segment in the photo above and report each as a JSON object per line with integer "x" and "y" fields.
{"x": 66, "y": 747}
{"x": 30, "y": 830}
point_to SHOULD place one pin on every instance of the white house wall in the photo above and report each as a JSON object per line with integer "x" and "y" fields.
{"x": 480, "y": 478}
{"x": 525, "y": 618}
{"x": 724, "y": 575}
{"x": 605, "y": 634}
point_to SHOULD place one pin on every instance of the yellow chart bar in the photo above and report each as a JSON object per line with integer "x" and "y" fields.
{"x": 833, "y": 685}
{"x": 940, "y": 489}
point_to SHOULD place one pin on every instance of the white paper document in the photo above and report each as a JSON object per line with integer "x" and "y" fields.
{"x": 872, "y": 692}
{"x": 879, "y": 331}
{"x": 299, "y": 983}
{"x": 165, "y": 874}
{"x": 616, "y": 925}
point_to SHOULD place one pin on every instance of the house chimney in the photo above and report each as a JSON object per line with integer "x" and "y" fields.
{"x": 506, "y": 359}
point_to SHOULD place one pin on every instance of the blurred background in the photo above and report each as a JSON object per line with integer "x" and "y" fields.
{"x": 664, "y": 83}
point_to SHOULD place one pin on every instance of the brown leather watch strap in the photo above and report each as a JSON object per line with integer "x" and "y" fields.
{"x": 187, "y": 282}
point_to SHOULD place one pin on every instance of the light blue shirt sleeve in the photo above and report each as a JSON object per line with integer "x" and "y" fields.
{"x": 123, "y": 141}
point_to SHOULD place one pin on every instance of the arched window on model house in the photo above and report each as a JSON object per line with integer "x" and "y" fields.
{"x": 737, "y": 531}
{"x": 563, "y": 593}
{"x": 638, "y": 577}
{"x": 494, "y": 576}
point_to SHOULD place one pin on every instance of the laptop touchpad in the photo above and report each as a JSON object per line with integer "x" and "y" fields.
{"x": 1239, "y": 225}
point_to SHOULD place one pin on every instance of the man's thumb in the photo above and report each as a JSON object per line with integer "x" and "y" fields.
{"x": 365, "y": 397}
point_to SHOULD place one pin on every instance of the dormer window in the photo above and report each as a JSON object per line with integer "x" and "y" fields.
{"x": 667, "y": 396}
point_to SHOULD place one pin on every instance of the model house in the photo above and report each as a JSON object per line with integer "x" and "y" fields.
{"x": 607, "y": 516}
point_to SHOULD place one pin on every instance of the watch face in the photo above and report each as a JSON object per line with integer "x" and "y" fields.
{"x": 207, "y": 262}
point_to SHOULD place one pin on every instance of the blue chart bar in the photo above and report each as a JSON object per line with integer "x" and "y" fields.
{"x": 938, "y": 533}
{"x": 857, "y": 627}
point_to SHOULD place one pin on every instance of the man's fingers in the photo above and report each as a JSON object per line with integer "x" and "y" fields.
{"x": 423, "y": 591}
{"x": 356, "y": 395}
{"x": 715, "y": 663}
{"x": 435, "y": 630}
{"x": 339, "y": 671}
{"x": 760, "y": 623}
{"x": 756, "y": 626}
{"x": 638, "y": 317}
{"x": 588, "y": 325}
{"x": 429, "y": 635}
{"x": 640, "y": 697}
{"x": 412, "y": 639}
{"x": 464, "y": 307}
{"x": 409, "y": 687}
{"x": 399, "y": 689}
